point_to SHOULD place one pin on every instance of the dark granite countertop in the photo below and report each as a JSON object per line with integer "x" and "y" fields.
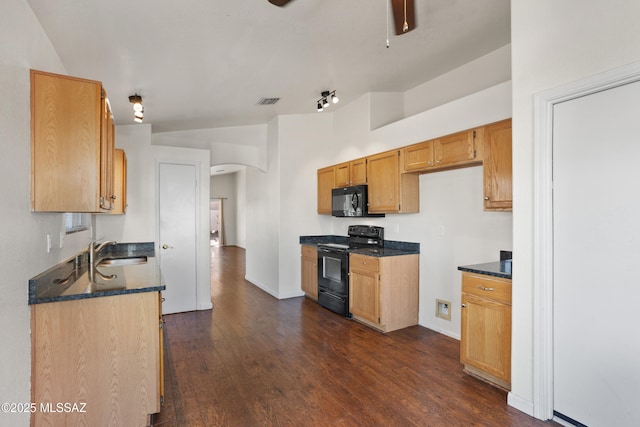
{"x": 70, "y": 280}
{"x": 391, "y": 247}
{"x": 497, "y": 269}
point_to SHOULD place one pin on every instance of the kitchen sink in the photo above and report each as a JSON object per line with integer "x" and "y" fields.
{"x": 118, "y": 262}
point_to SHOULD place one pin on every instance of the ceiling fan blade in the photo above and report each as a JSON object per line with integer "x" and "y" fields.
{"x": 398, "y": 7}
{"x": 279, "y": 2}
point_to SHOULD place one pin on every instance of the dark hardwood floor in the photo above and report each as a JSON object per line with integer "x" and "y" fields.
{"x": 256, "y": 361}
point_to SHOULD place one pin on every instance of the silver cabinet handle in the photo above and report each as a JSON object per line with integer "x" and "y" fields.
{"x": 484, "y": 289}
{"x": 486, "y": 198}
{"x": 463, "y": 305}
{"x": 165, "y": 246}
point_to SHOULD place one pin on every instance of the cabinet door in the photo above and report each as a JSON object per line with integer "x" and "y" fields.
{"x": 342, "y": 176}
{"x": 119, "y": 182}
{"x": 87, "y": 351}
{"x": 458, "y": 148}
{"x": 65, "y": 143}
{"x": 364, "y": 294}
{"x": 107, "y": 151}
{"x": 160, "y": 392}
{"x": 325, "y": 185}
{"x": 358, "y": 171}
{"x": 486, "y": 336}
{"x": 497, "y": 164}
{"x": 418, "y": 157}
{"x": 309, "y": 276}
{"x": 384, "y": 175}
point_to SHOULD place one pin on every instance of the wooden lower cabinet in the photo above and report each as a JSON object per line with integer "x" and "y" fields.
{"x": 103, "y": 354}
{"x": 383, "y": 291}
{"x": 310, "y": 271}
{"x": 485, "y": 345}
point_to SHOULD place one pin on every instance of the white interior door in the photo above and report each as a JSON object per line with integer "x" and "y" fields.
{"x": 596, "y": 238}
{"x": 178, "y": 236}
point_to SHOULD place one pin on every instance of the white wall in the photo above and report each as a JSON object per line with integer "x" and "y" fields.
{"x": 225, "y": 186}
{"x": 482, "y": 73}
{"x": 244, "y": 145}
{"x": 241, "y": 206}
{"x": 304, "y": 148}
{"x": 23, "y": 234}
{"x": 140, "y": 223}
{"x": 263, "y": 211}
{"x": 579, "y": 39}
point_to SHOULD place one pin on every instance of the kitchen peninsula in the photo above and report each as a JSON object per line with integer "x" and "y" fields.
{"x": 98, "y": 343}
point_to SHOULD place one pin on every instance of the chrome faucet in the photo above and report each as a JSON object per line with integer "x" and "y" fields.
{"x": 93, "y": 251}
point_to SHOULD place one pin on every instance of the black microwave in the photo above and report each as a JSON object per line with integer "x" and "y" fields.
{"x": 350, "y": 202}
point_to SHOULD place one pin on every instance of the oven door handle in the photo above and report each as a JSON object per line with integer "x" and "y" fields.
{"x": 330, "y": 295}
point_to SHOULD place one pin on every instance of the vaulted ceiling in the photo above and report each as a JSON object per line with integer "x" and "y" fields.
{"x": 207, "y": 63}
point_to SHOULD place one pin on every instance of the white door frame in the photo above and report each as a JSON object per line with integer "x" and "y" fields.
{"x": 543, "y": 222}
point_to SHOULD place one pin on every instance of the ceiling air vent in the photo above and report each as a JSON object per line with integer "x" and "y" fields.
{"x": 268, "y": 101}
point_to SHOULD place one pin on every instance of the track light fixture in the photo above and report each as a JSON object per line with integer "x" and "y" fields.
{"x": 324, "y": 101}
{"x": 138, "y": 109}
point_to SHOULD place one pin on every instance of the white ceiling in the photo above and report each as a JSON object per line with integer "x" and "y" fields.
{"x": 206, "y": 63}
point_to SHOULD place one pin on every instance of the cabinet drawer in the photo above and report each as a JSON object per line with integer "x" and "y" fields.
{"x": 495, "y": 288}
{"x": 309, "y": 251}
{"x": 364, "y": 262}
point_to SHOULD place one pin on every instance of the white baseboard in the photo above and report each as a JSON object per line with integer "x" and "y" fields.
{"x": 520, "y": 404}
{"x": 205, "y": 306}
{"x": 441, "y": 331}
{"x": 262, "y": 286}
{"x": 292, "y": 294}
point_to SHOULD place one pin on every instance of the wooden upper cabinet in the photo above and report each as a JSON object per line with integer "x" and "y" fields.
{"x": 342, "y": 177}
{"x": 358, "y": 171}
{"x": 351, "y": 173}
{"x": 497, "y": 168}
{"x": 70, "y": 168}
{"x": 325, "y": 185}
{"x": 107, "y": 153}
{"x": 119, "y": 182}
{"x": 456, "y": 149}
{"x": 389, "y": 190}
{"x": 418, "y": 157}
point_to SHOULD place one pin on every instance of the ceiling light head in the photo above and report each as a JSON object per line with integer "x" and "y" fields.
{"x": 323, "y": 102}
{"x": 135, "y": 99}
{"x": 138, "y": 109}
